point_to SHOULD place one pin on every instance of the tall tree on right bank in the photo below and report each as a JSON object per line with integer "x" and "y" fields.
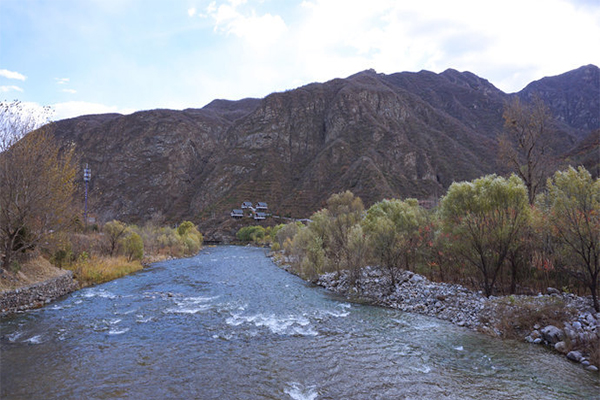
{"x": 573, "y": 208}
{"x": 525, "y": 146}
{"x": 486, "y": 220}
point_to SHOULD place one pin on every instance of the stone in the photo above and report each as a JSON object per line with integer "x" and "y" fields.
{"x": 528, "y": 339}
{"x": 552, "y": 290}
{"x": 577, "y": 325}
{"x": 561, "y": 347}
{"x": 575, "y": 356}
{"x": 590, "y": 319}
{"x": 537, "y": 341}
{"x": 591, "y": 368}
{"x": 552, "y": 334}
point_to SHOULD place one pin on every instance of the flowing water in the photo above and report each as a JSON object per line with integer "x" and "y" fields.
{"x": 229, "y": 324}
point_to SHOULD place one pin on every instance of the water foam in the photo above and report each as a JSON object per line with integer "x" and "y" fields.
{"x": 297, "y": 392}
{"x": 37, "y": 339}
{"x": 289, "y": 325}
{"x": 14, "y": 336}
{"x": 114, "y": 331}
{"x": 191, "y": 305}
{"x": 95, "y": 292}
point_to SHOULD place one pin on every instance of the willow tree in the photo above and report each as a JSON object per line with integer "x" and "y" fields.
{"x": 486, "y": 219}
{"x": 393, "y": 230}
{"x": 572, "y": 204}
{"x": 328, "y": 243}
{"x": 344, "y": 210}
{"x": 37, "y": 183}
{"x": 524, "y": 147}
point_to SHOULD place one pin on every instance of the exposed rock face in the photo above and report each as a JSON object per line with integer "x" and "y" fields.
{"x": 573, "y": 97}
{"x": 399, "y": 135}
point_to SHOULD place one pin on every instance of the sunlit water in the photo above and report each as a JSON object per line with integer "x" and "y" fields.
{"x": 228, "y": 324}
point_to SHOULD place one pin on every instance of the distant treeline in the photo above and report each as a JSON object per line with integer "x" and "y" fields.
{"x": 484, "y": 234}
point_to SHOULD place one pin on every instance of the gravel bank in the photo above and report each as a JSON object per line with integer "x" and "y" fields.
{"x": 564, "y": 322}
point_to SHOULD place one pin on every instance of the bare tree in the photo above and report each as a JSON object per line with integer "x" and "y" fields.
{"x": 36, "y": 182}
{"x": 525, "y": 146}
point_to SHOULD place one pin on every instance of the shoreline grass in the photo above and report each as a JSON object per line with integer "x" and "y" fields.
{"x": 96, "y": 270}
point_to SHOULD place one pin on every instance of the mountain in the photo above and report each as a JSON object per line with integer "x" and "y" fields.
{"x": 399, "y": 135}
{"x": 573, "y": 97}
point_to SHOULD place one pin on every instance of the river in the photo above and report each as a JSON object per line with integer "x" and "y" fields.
{"x": 229, "y": 324}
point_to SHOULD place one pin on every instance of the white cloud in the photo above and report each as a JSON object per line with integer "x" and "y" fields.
{"x": 12, "y": 88}
{"x": 72, "y": 91}
{"x": 258, "y": 31}
{"x": 71, "y": 109}
{"x": 509, "y": 43}
{"x": 61, "y": 81}
{"x": 191, "y": 11}
{"x": 12, "y": 75}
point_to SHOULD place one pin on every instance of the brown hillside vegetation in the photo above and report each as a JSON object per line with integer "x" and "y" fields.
{"x": 380, "y": 136}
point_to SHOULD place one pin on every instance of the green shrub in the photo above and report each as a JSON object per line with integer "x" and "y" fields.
{"x": 251, "y": 234}
{"x": 133, "y": 246}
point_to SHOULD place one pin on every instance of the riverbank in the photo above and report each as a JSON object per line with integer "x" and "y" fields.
{"x": 561, "y": 321}
{"x": 38, "y": 282}
{"x": 35, "y": 285}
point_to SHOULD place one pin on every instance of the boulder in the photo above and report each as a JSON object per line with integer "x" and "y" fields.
{"x": 552, "y": 334}
{"x": 561, "y": 347}
{"x": 575, "y": 356}
{"x": 552, "y": 290}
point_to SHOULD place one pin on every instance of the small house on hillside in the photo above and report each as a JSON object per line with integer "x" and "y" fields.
{"x": 247, "y": 204}
{"x": 261, "y": 205}
{"x": 260, "y": 215}
{"x": 237, "y": 213}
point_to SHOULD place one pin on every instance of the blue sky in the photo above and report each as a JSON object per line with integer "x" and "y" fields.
{"x": 96, "y": 56}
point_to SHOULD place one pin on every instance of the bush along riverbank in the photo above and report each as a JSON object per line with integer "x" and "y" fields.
{"x": 561, "y": 321}
{"x": 90, "y": 257}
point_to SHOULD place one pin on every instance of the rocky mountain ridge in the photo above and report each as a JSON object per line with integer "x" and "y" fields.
{"x": 398, "y": 135}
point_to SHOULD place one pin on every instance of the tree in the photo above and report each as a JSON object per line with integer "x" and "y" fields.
{"x": 393, "y": 227}
{"x": 487, "y": 218}
{"x": 573, "y": 206}
{"x": 326, "y": 244}
{"x": 37, "y": 182}
{"x": 191, "y": 238}
{"x": 525, "y": 146}
{"x": 133, "y": 245}
{"x": 185, "y": 227}
{"x": 343, "y": 211}
{"x": 114, "y": 231}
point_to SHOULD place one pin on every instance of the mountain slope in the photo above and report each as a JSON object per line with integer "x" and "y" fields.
{"x": 399, "y": 135}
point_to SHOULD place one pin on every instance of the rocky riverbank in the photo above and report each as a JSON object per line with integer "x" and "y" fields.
{"x": 37, "y": 295}
{"x": 564, "y": 322}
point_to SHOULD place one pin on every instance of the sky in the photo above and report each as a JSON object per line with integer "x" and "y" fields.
{"x": 99, "y": 56}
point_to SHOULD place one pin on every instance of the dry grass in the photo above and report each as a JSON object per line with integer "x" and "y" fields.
{"x": 519, "y": 314}
{"x": 32, "y": 271}
{"x": 103, "y": 269}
